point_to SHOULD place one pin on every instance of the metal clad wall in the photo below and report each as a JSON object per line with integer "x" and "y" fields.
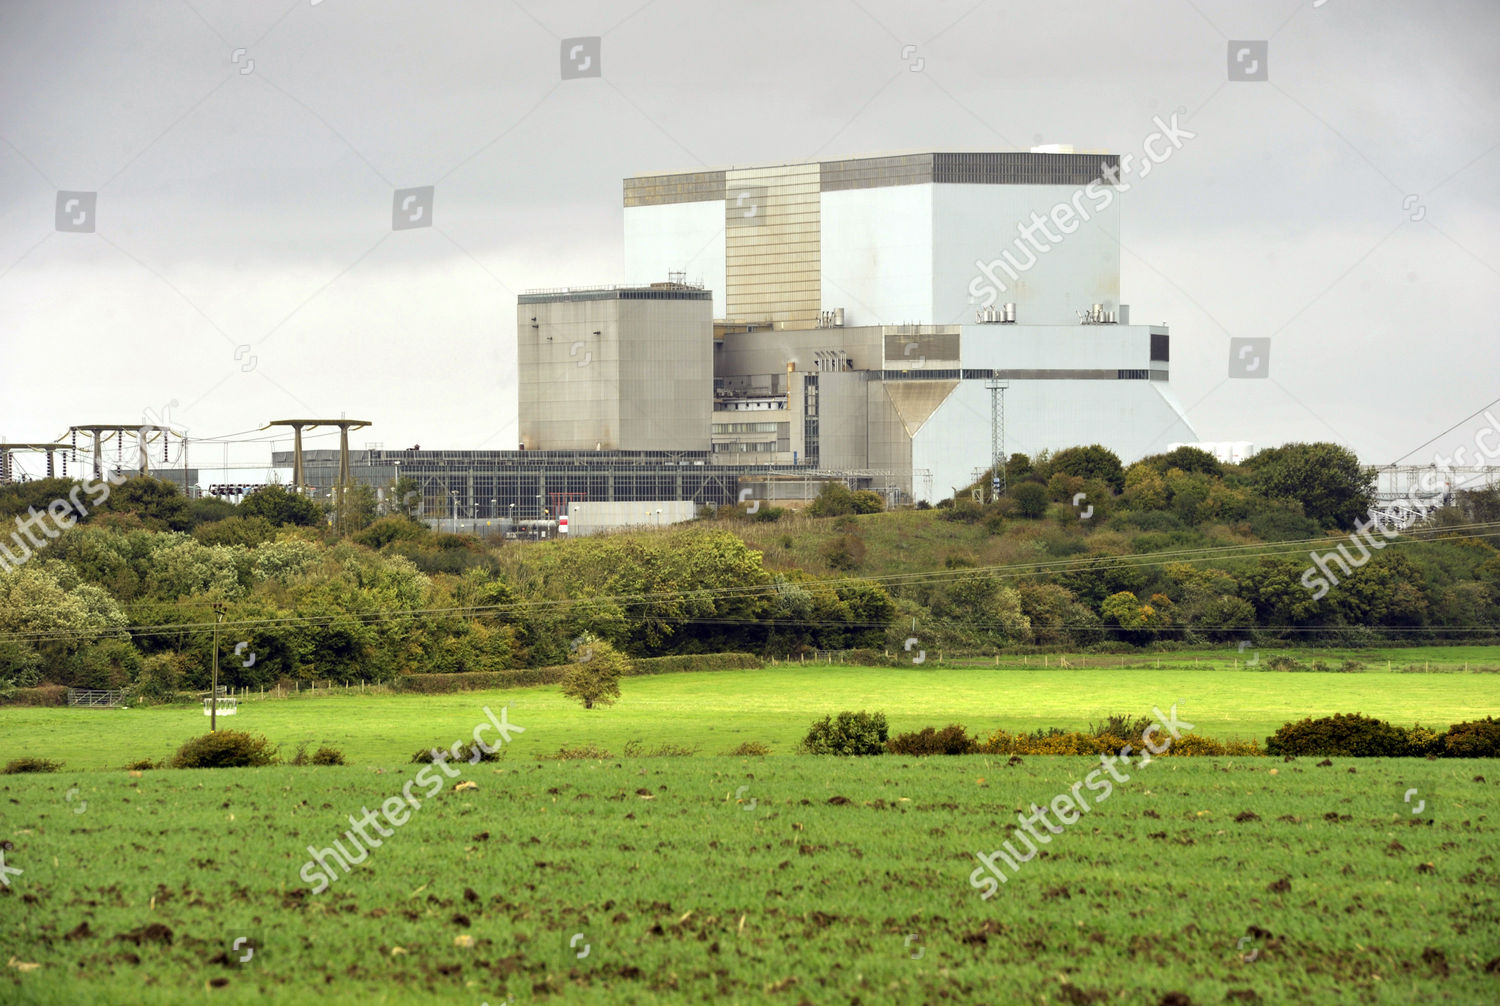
{"x": 666, "y": 374}
{"x": 688, "y": 187}
{"x": 772, "y": 243}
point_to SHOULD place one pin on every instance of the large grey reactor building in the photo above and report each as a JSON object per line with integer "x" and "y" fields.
{"x": 850, "y": 319}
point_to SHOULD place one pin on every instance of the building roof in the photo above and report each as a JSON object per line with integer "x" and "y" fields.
{"x": 928, "y": 167}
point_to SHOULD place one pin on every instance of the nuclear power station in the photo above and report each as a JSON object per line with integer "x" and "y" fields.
{"x": 891, "y": 322}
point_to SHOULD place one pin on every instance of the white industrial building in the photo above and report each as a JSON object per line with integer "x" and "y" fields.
{"x": 864, "y": 307}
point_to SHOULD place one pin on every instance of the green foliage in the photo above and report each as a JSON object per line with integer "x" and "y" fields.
{"x": 1335, "y": 490}
{"x": 1092, "y": 462}
{"x": 1031, "y": 499}
{"x": 751, "y": 749}
{"x": 157, "y": 505}
{"x": 594, "y": 678}
{"x": 20, "y": 766}
{"x": 244, "y": 531}
{"x": 578, "y": 752}
{"x": 224, "y": 749}
{"x": 847, "y": 733}
{"x": 835, "y": 500}
{"x": 844, "y": 553}
{"x": 160, "y": 678}
{"x": 1348, "y": 735}
{"x": 1473, "y": 739}
{"x": 471, "y": 753}
{"x": 209, "y": 510}
{"x": 322, "y": 756}
{"x": 951, "y": 740}
{"x": 1193, "y": 460}
{"x": 281, "y": 507}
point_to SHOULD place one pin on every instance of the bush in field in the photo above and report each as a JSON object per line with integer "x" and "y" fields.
{"x": 1473, "y": 739}
{"x": 143, "y": 765}
{"x": 1059, "y": 742}
{"x": 1119, "y": 725}
{"x": 751, "y": 749}
{"x": 322, "y": 756}
{"x": 583, "y": 752}
{"x": 424, "y": 756}
{"x": 847, "y": 733}
{"x": 637, "y": 749}
{"x": 224, "y": 749}
{"x": 21, "y": 765}
{"x": 594, "y": 678}
{"x": 1350, "y": 735}
{"x": 951, "y": 740}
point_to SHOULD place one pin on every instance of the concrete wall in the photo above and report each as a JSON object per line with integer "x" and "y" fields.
{"x": 1058, "y": 347}
{"x": 1131, "y": 418}
{"x": 666, "y": 374}
{"x": 644, "y": 382}
{"x": 877, "y": 255}
{"x": 978, "y": 223}
{"x": 567, "y": 377}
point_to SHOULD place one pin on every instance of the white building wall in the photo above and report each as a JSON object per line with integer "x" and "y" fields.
{"x": 978, "y": 224}
{"x": 677, "y": 237}
{"x": 1131, "y": 418}
{"x": 1054, "y": 347}
{"x": 878, "y": 254}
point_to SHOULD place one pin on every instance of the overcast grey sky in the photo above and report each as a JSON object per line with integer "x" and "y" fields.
{"x": 243, "y": 261}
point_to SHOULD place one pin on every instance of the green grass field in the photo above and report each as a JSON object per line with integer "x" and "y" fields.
{"x": 715, "y": 712}
{"x": 696, "y": 880}
{"x": 731, "y": 880}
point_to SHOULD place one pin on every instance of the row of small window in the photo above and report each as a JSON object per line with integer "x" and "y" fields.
{"x": 740, "y": 447}
{"x": 751, "y": 428}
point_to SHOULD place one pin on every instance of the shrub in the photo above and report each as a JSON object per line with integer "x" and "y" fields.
{"x": 1349, "y": 735}
{"x": 424, "y": 756}
{"x": 844, "y": 553}
{"x": 468, "y": 681}
{"x": 21, "y": 765}
{"x": 322, "y": 756}
{"x": 1473, "y": 739}
{"x": 951, "y": 740}
{"x": 224, "y": 749}
{"x": 635, "y": 749}
{"x": 144, "y": 765}
{"x": 42, "y": 695}
{"x": 751, "y": 749}
{"x": 1031, "y": 499}
{"x": 848, "y": 733}
{"x": 1120, "y": 725}
{"x": 581, "y": 752}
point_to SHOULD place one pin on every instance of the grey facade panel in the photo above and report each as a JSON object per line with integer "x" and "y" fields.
{"x": 1021, "y": 168}
{"x": 979, "y": 168}
{"x": 688, "y": 187}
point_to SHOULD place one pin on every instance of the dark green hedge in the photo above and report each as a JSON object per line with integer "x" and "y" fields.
{"x": 521, "y": 677}
{"x": 1352, "y": 735}
{"x": 688, "y": 662}
{"x": 44, "y": 695}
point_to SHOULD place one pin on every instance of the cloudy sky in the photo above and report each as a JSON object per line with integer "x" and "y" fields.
{"x": 242, "y": 261}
